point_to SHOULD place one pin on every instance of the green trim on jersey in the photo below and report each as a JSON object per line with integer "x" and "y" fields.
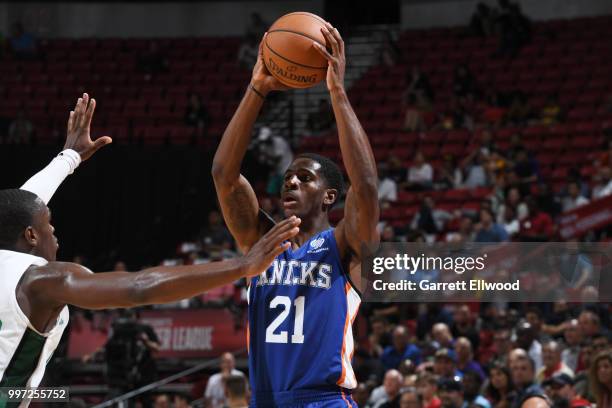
{"x": 24, "y": 361}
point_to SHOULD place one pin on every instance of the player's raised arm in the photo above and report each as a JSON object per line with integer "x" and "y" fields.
{"x": 57, "y": 283}
{"x": 361, "y": 211}
{"x": 78, "y": 147}
{"x": 238, "y": 201}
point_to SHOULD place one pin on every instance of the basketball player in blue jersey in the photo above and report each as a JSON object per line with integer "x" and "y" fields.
{"x": 301, "y": 309}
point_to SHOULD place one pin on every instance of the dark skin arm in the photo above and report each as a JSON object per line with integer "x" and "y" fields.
{"x": 361, "y": 212}
{"x": 238, "y": 200}
{"x": 44, "y": 290}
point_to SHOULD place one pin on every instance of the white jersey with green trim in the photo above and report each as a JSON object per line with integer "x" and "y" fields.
{"x": 24, "y": 351}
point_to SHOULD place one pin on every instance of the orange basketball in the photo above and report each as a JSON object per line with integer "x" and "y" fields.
{"x": 288, "y": 51}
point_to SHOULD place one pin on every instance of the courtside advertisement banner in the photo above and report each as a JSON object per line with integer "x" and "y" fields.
{"x": 482, "y": 272}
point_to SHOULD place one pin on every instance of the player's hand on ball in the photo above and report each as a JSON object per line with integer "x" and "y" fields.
{"x": 336, "y": 61}
{"x": 261, "y": 255}
{"x": 262, "y": 80}
{"x": 78, "y": 136}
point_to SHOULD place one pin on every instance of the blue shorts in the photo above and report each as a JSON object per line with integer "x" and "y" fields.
{"x": 304, "y": 399}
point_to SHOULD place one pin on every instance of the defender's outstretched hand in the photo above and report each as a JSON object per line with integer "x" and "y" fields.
{"x": 78, "y": 134}
{"x": 261, "y": 255}
{"x": 262, "y": 80}
{"x": 336, "y": 60}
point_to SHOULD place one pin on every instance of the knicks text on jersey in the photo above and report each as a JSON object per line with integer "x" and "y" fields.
{"x": 300, "y": 326}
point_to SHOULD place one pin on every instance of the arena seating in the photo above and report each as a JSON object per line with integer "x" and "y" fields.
{"x": 569, "y": 58}
{"x": 132, "y": 106}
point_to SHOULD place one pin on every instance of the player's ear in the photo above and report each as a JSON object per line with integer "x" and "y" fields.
{"x": 331, "y": 196}
{"x": 30, "y": 236}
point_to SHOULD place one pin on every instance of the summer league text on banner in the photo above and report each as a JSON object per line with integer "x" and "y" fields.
{"x": 482, "y": 272}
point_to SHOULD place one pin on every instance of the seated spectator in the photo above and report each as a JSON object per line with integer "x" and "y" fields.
{"x": 427, "y": 386}
{"x": 390, "y": 389}
{"x": 428, "y": 219}
{"x": 464, "y": 325}
{"x": 215, "y": 235}
{"x": 499, "y": 388}
{"x": 473, "y": 167}
{"x": 522, "y": 369}
{"x": 380, "y": 337}
{"x": 153, "y": 60}
{"x": 22, "y": 43}
{"x": 527, "y": 341}
{"x": 196, "y": 114}
{"x": 526, "y": 170}
{"x": 409, "y": 398}
{"x": 514, "y": 201}
{"x": 472, "y": 382}
{"x": 560, "y": 389}
{"x": 456, "y": 116}
{"x": 361, "y": 394}
{"x": 418, "y": 111}
{"x": 538, "y": 226}
{"x": 603, "y": 183}
{"x": 396, "y": 170}
{"x": 465, "y": 357}
{"x": 420, "y": 174}
{"x": 181, "y": 400}
{"x": 551, "y": 112}
{"x": 161, "y": 401}
{"x": 482, "y": 22}
{"x": 464, "y": 83}
{"x": 450, "y": 391}
{"x": 548, "y": 200}
{"x": 236, "y": 391}
{"x": 488, "y": 230}
{"x": 590, "y": 324}
{"x": 322, "y": 119}
{"x": 400, "y": 350}
{"x": 215, "y": 394}
{"x": 450, "y": 175}
{"x": 573, "y": 339}
{"x": 247, "y": 53}
{"x": 600, "y": 378}
{"x": 573, "y": 199}
{"x": 465, "y": 233}
{"x": 510, "y": 222}
{"x": 553, "y": 365}
{"x": 20, "y": 130}
{"x": 445, "y": 366}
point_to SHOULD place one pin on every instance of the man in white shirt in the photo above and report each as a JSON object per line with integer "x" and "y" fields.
{"x": 574, "y": 199}
{"x": 420, "y": 174}
{"x": 215, "y": 388}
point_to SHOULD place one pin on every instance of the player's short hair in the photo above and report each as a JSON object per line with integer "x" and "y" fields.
{"x": 17, "y": 209}
{"x": 330, "y": 171}
{"x": 236, "y": 386}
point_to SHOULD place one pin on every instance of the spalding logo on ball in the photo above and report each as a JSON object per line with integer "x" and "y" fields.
{"x": 288, "y": 51}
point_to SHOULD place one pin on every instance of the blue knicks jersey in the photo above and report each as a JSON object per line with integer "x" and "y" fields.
{"x": 301, "y": 312}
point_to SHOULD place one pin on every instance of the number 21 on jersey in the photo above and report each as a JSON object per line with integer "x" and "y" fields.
{"x": 284, "y": 302}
